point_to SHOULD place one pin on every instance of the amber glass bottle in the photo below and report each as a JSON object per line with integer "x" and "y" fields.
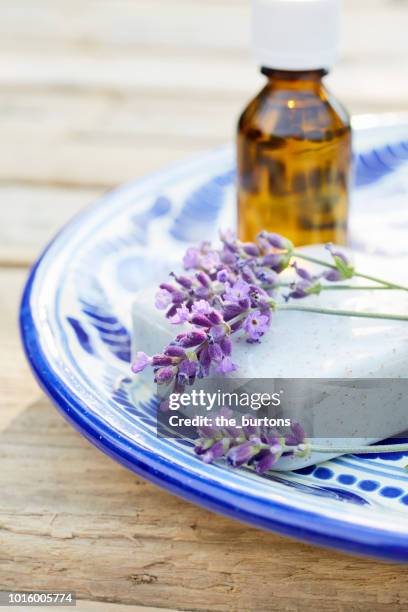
{"x": 294, "y": 142}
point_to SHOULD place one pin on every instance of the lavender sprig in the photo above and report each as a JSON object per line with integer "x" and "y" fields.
{"x": 262, "y": 447}
{"x": 235, "y": 289}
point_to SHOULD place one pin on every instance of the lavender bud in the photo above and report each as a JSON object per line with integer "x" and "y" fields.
{"x": 304, "y": 274}
{"x": 248, "y": 275}
{"x": 339, "y": 254}
{"x": 216, "y": 352}
{"x": 161, "y": 360}
{"x": 205, "y": 358}
{"x": 217, "y": 332}
{"x": 175, "y": 351}
{"x": 250, "y": 248}
{"x": 226, "y": 346}
{"x": 222, "y": 276}
{"x": 215, "y": 317}
{"x": 178, "y": 297}
{"x": 231, "y": 311}
{"x": 278, "y": 263}
{"x": 168, "y": 287}
{"x": 184, "y": 281}
{"x": 164, "y": 375}
{"x": 267, "y": 460}
{"x": 203, "y": 279}
{"x": 239, "y": 455}
{"x": 187, "y": 370}
{"x": 192, "y": 338}
{"x": 200, "y": 320}
{"x": 228, "y": 258}
{"x": 297, "y": 436}
{"x": 192, "y": 258}
{"x": 333, "y": 276}
{"x": 172, "y": 311}
{"x": 217, "y": 451}
{"x": 276, "y": 240}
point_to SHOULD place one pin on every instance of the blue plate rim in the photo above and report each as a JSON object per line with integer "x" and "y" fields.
{"x": 272, "y": 515}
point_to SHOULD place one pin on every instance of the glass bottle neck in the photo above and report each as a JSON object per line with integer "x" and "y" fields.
{"x": 291, "y": 76}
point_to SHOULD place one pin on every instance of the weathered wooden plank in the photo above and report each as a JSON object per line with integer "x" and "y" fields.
{"x": 34, "y": 215}
{"x": 193, "y": 25}
{"x": 16, "y": 382}
{"x": 359, "y": 77}
{"x": 88, "y": 525}
{"x": 96, "y": 606}
{"x": 41, "y": 115}
{"x": 97, "y": 165}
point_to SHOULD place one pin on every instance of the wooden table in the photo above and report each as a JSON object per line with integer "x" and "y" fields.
{"x": 94, "y": 93}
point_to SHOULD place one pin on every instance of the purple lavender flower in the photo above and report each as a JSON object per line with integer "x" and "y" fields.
{"x": 250, "y": 248}
{"x": 141, "y": 362}
{"x": 200, "y": 320}
{"x": 276, "y": 241}
{"x": 204, "y": 359}
{"x": 223, "y": 275}
{"x": 268, "y": 278}
{"x": 303, "y": 273}
{"x": 217, "y": 450}
{"x": 163, "y": 299}
{"x": 259, "y": 297}
{"x": 338, "y": 254}
{"x": 226, "y": 366}
{"x": 217, "y": 332}
{"x": 297, "y": 435}
{"x": 165, "y": 375}
{"x": 192, "y": 338}
{"x": 216, "y": 352}
{"x": 226, "y": 346}
{"x": 184, "y": 281}
{"x": 267, "y": 458}
{"x": 203, "y": 279}
{"x": 191, "y": 259}
{"x": 174, "y": 351}
{"x": 248, "y": 275}
{"x": 229, "y": 257}
{"x": 187, "y": 372}
{"x": 236, "y": 292}
{"x": 342, "y": 263}
{"x": 333, "y": 276}
{"x": 303, "y": 289}
{"x": 256, "y": 324}
{"x": 182, "y": 315}
{"x": 242, "y": 454}
{"x": 232, "y": 310}
{"x": 161, "y": 360}
{"x": 201, "y": 307}
{"x": 210, "y": 261}
{"x": 228, "y": 238}
{"x": 275, "y": 261}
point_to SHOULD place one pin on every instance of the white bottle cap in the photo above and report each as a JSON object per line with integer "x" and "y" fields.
{"x": 296, "y": 34}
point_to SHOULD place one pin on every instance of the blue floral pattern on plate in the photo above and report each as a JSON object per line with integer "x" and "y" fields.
{"x": 75, "y": 320}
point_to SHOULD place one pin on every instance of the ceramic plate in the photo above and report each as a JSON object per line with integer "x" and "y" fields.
{"x": 75, "y": 321}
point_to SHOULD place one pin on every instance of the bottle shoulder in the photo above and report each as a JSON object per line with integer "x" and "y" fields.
{"x": 290, "y": 112}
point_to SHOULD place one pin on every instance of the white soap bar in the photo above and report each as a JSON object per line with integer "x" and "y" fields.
{"x": 304, "y": 345}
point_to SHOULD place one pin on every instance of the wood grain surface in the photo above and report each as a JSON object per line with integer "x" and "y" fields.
{"x": 93, "y": 93}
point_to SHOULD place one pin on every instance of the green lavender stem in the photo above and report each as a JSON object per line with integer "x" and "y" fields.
{"x": 339, "y": 287}
{"x": 342, "y": 313}
{"x": 360, "y": 450}
{"x": 374, "y": 279}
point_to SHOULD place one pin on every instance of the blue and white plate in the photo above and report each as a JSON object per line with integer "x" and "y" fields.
{"x": 75, "y": 321}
